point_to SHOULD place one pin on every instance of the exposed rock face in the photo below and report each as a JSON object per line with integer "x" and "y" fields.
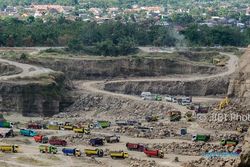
{"x": 193, "y": 88}
{"x": 7, "y": 69}
{"x": 33, "y": 98}
{"x": 240, "y": 84}
{"x": 123, "y": 67}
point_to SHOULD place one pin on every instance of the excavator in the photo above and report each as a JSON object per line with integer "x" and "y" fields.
{"x": 223, "y": 103}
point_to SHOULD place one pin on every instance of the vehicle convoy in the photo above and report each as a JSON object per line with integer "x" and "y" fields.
{"x": 28, "y": 132}
{"x": 102, "y": 124}
{"x": 6, "y": 124}
{"x": 48, "y": 149}
{"x": 200, "y": 137}
{"x": 112, "y": 139}
{"x": 58, "y": 142}
{"x": 151, "y": 118}
{"x": 34, "y": 126}
{"x": 229, "y": 142}
{"x": 82, "y": 130}
{"x": 94, "y": 152}
{"x": 6, "y": 132}
{"x": 72, "y": 151}
{"x": 41, "y": 139}
{"x": 9, "y": 148}
{"x": 174, "y": 115}
{"x": 135, "y": 146}
{"x": 118, "y": 154}
{"x": 96, "y": 142}
{"x": 153, "y": 153}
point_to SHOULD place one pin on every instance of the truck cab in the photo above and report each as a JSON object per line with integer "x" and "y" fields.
{"x": 96, "y": 142}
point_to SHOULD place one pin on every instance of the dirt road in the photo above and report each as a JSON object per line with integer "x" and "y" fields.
{"x": 27, "y": 70}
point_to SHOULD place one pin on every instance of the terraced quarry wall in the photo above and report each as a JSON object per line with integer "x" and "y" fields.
{"x": 193, "y": 88}
{"x": 103, "y": 68}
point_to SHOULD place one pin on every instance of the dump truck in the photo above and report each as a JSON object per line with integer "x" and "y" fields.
{"x": 82, "y": 130}
{"x": 151, "y": 118}
{"x": 112, "y": 139}
{"x": 229, "y": 142}
{"x": 54, "y": 127}
{"x": 201, "y": 109}
{"x": 58, "y": 142}
{"x": 68, "y": 126}
{"x": 6, "y": 132}
{"x": 158, "y": 98}
{"x": 200, "y": 137}
{"x": 96, "y": 142}
{"x": 48, "y": 149}
{"x": 34, "y": 126}
{"x": 118, "y": 154}
{"x": 94, "y": 152}
{"x": 41, "y": 139}
{"x": 28, "y": 132}
{"x": 72, "y": 151}
{"x": 6, "y": 124}
{"x": 9, "y": 148}
{"x": 103, "y": 124}
{"x": 153, "y": 153}
{"x": 135, "y": 146}
{"x": 174, "y": 115}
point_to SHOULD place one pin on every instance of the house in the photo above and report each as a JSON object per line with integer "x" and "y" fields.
{"x": 41, "y": 10}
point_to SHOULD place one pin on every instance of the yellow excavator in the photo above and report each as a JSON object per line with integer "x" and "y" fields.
{"x": 223, "y": 103}
{"x": 218, "y": 62}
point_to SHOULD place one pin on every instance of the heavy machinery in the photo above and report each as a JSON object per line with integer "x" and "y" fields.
{"x": 200, "y": 137}
{"x": 118, "y": 154}
{"x": 28, "y": 132}
{"x": 189, "y": 116}
{"x": 135, "y": 146}
{"x": 96, "y": 142}
{"x": 201, "y": 109}
{"x": 224, "y": 103}
{"x": 34, "y": 126}
{"x": 174, "y": 115}
{"x": 9, "y": 148}
{"x": 54, "y": 127}
{"x": 41, "y": 139}
{"x": 102, "y": 124}
{"x": 218, "y": 62}
{"x": 58, "y": 142}
{"x": 72, "y": 151}
{"x": 229, "y": 142}
{"x": 151, "y": 118}
{"x": 112, "y": 139}
{"x": 82, "y": 130}
{"x": 242, "y": 128}
{"x": 68, "y": 126}
{"x": 153, "y": 153}
{"x": 48, "y": 149}
{"x": 6, "y": 124}
{"x": 6, "y": 132}
{"x": 94, "y": 152}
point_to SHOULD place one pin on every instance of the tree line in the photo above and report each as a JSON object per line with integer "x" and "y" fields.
{"x": 112, "y": 37}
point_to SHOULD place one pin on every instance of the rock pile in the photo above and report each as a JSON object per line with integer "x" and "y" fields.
{"x": 134, "y": 162}
{"x": 190, "y": 149}
{"x": 118, "y": 107}
{"x": 215, "y": 162}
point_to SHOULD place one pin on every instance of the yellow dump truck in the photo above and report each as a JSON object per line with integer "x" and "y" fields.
{"x": 9, "y": 148}
{"x": 81, "y": 130}
{"x": 54, "y": 127}
{"x": 68, "y": 126}
{"x": 94, "y": 152}
{"x": 118, "y": 154}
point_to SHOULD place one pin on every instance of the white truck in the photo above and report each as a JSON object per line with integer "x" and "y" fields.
{"x": 146, "y": 96}
{"x": 169, "y": 98}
